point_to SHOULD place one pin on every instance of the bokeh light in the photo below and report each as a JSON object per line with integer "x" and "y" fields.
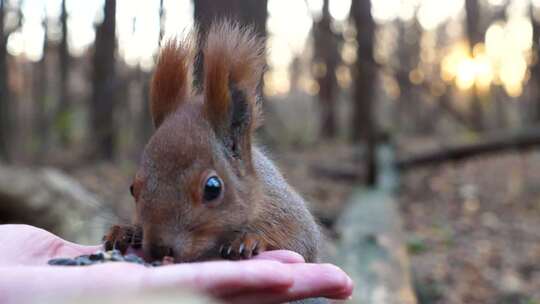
{"x": 502, "y": 60}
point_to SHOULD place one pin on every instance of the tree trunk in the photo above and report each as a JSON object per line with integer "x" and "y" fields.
{"x": 475, "y": 36}
{"x": 63, "y": 113}
{"x": 161, "y": 21}
{"x": 246, "y": 12}
{"x": 326, "y": 53}
{"x": 4, "y": 89}
{"x": 363, "y": 119}
{"x": 205, "y": 12}
{"x": 145, "y": 125}
{"x": 409, "y": 116}
{"x": 254, "y": 13}
{"x": 535, "y": 68}
{"x": 104, "y": 82}
{"x": 41, "y": 124}
{"x": 499, "y": 142}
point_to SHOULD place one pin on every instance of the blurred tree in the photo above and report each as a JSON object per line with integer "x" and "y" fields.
{"x": 254, "y": 13}
{"x": 105, "y": 84}
{"x": 408, "y": 58}
{"x": 205, "y": 12}
{"x": 365, "y": 73}
{"x": 246, "y": 12}
{"x": 161, "y": 21}
{"x": 443, "y": 93}
{"x": 535, "y": 67}
{"x": 474, "y": 30}
{"x": 5, "y": 94}
{"x": 4, "y": 90}
{"x": 327, "y": 58}
{"x": 497, "y": 93}
{"x": 63, "y": 113}
{"x": 475, "y": 35}
{"x": 145, "y": 127}
{"x": 40, "y": 90}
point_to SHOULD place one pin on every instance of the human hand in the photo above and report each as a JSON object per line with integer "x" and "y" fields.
{"x": 271, "y": 277}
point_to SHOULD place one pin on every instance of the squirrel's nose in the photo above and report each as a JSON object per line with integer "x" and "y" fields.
{"x": 157, "y": 252}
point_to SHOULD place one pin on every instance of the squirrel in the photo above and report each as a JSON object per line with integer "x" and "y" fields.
{"x": 204, "y": 190}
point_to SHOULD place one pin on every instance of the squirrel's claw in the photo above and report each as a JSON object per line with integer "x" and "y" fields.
{"x": 244, "y": 247}
{"x": 122, "y": 237}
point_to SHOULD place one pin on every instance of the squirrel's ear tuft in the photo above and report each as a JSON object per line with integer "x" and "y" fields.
{"x": 233, "y": 67}
{"x": 172, "y": 80}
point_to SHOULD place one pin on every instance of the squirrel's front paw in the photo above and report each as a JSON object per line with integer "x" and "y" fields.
{"x": 121, "y": 237}
{"x": 243, "y": 247}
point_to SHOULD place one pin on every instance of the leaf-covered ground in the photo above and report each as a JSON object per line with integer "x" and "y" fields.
{"x": 474, "y": 230}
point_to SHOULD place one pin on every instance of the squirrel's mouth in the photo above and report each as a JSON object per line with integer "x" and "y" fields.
{"x": 180, "y": 249}
{"x": 168, "y": 255}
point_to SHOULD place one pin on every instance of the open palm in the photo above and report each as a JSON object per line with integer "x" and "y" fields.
{"x": 271, "y": 277}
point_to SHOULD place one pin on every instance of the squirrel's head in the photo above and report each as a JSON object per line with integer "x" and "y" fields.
{"x": 196, "y": 183}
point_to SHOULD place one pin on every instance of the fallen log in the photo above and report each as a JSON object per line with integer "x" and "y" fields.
{"x": 518, "y": 140}
{"x": 51, "y": 200}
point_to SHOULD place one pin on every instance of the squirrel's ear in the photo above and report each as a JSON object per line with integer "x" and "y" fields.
{"x": 172, "y": 80}
{"x": 233, "y": 66}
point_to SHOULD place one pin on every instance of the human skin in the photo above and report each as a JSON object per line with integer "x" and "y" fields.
{"x": 271, "y": 277}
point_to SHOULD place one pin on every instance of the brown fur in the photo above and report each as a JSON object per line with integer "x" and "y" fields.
{"x": 232, "y": 55}
{"x": 211, "y": 134}
{"x": 171, "y": 83}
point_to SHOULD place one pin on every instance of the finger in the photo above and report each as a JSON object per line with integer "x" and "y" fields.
{"x": 58, "y": 247}
{"x": 28, "y": 245}
{"x": 320, "y": 280}
{"x": 223, "y": 278}
{"x": 84, "y": 249}
{"x": 310, "y": 281}
{"x": 66, "y": 247}
{"x": 283, "y": 256}
{"x": 33, "y": 234}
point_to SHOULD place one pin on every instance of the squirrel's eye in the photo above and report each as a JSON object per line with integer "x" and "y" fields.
{"x": 212, "y": 188}
{"x": 131, "y": 191}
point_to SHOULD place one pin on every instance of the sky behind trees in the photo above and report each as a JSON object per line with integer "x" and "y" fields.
{"x": 504, "y": 58}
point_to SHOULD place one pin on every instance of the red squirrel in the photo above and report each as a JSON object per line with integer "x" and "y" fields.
{"x": 204, "y": 190}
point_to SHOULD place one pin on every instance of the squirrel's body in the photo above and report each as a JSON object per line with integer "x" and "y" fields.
{"x": 203, "y": 189}
{"x": 285, "y": 215}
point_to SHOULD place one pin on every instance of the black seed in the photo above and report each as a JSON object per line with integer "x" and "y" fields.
{"x": 133, "y": 259}
{"x": 99, "y": 256}
{"x": 62, "y": 262}
{"x": 116, "y": 256}
{"x": 83, "y": 261}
